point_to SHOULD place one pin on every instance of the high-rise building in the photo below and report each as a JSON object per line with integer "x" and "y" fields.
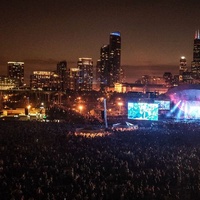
{"x": 16, "y": 71}
{"x": 104, "y": 65}
{"x": 45, "y": 80}
{"x": 114, "y": 58}
{"x": 96, "y": 76}
{"x": 72, "y": 78}
{"x": 195, "y": 65}
{"x": 110, "y": 61}
{"x": 85, "y": 79}
{"x": 98, "y": 72}
{"x": 182, "y": 68}
{"x": 8, "y": 83}
{"x": 62, "y": 74}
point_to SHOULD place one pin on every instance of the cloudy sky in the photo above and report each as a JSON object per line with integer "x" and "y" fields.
{"x": 155, "y": 33}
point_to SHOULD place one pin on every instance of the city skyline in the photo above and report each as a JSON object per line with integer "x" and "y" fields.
{"x": 155, "y": 34}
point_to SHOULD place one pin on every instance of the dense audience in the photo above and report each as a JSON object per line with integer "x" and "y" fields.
{"x": 41, "y": 160}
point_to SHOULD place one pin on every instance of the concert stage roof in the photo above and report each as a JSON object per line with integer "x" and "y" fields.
{"x": 190, "y": 92}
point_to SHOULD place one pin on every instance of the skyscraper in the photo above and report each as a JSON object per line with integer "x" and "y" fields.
{"x": 7, "y": 83}
{"x": 46, "y": 80}
{"x": 85, "y": 79}
{"x": 73, "y": 78}
{"x": 195, "y": 66}
{"x": 96, "y": 76}
{"x": 16, "y": 71}
{"x": 62, "y": 74}
{"x": 104, "y": 70}
{"x": 110, "y": 61}
{"x": 114, "y": 58}
{"x": 182, "y": 68}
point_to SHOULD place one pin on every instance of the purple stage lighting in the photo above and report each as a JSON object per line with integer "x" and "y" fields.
{"x": 186, "y": 99}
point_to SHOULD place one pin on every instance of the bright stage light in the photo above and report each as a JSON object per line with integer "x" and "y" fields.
{"x": 172, "y": 111}
{"x": 180, "y": 111}
{"x": 189, "y": 107}
{"x": 187, "y": 110}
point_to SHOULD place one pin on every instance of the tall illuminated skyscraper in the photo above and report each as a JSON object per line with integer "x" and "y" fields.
{"x": 110, "y": 61}
{"x": 114, "y": 58}
{"x": 73, "y": 78}
{"x": 195, "y": 66}
{"x": 104, "y": 65}
{"x": 16, "y": 71}
{"x": 182, "y": 68}
{"x": 85, "y": 79}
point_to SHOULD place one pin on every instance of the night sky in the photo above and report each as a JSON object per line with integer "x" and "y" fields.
{"x": 155, "y": 33}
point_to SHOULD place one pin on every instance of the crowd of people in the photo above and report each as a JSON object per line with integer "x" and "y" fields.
{"x": 41, "y": 160}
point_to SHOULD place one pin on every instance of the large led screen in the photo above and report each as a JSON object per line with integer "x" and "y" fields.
{"x": 142, "y": 111}
{"x": 163, "y": 105}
